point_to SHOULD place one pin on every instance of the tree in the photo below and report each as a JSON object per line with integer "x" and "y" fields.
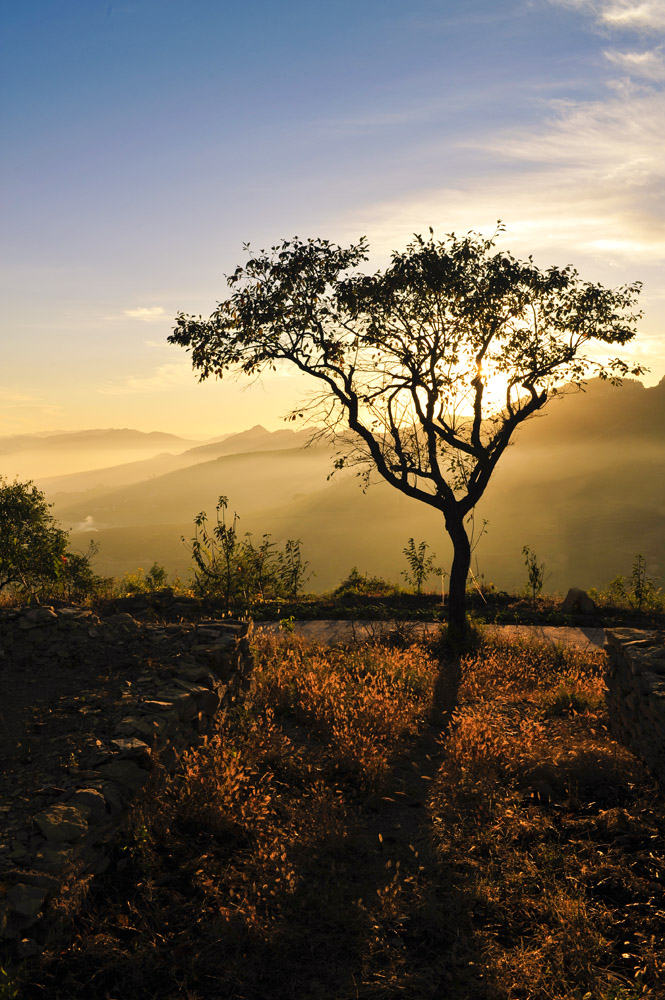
{"x": 535, "y": 572}
{"x": 32, "y": 546}
{"x": 406, "y": 358}
{"x": 421, "y": 565}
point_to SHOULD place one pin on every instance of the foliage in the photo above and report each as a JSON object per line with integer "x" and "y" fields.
{"x": 535, "y": 572}
{"x": 643, "y": 589}
{"x": 292, "y": 572}
{"x": 421, "y": 565}
{"x": 407, "y": 358}
{"x": 77, "y": 579}
{"x": 144, "y": 583}
{"x": 9, "y": 985}
{"x": 360, "y": 583}
{"x": 638, "y": 591}
{"x": 238, "y": 570}
{"x": 32, "y": 546}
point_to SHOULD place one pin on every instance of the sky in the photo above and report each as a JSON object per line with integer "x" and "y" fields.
{"x": 145, "y": 142}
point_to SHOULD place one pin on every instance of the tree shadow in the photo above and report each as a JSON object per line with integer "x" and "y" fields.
{"x": 376, "y": 910}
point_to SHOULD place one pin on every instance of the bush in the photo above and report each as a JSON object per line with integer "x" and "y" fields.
{"x": 638, "y": 591}
{"x": 140, "y": 583}
{"x": 238, "y": 570}
{"x": 368, "y": 586}
{"x": 32, "y": 546}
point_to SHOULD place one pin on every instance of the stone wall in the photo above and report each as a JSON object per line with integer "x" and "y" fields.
{"x": 636, "y": 693}
{"x": 172, "y": 683}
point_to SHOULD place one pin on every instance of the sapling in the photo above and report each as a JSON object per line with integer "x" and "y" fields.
{"x": 421, "y": 565}
{"x": 535, "y": 572}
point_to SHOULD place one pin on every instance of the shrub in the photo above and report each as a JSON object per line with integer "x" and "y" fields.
{"x": 32, "y": 546}
{"x": 240, "y": 570}
{"x": 140, "y": 583}
{"x": 638, "y": 591}
{"x": 369, "y": 586}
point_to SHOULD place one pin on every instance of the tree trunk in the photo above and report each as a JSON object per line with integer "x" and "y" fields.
{"x": 458, "y": 626}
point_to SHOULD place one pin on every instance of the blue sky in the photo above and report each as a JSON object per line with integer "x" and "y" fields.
{"x": 146, "y": 141}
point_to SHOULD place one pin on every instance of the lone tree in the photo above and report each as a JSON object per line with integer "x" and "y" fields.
{"x": 408, "y": 358}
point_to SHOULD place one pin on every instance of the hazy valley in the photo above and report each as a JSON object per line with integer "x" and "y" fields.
{"x": 583, "y": 486}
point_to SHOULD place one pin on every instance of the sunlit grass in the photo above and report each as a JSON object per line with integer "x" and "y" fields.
{"x": 330, "y": 843}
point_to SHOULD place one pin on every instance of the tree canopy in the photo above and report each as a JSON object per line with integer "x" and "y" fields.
{"x": 32, "y": 546}
{"x": 411, "y": 359}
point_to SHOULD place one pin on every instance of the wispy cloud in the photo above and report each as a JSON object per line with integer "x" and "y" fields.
{"x": 650, "y": 64}
{"x": 10, "y": 396}
{"x": 647, "y": 17}
{"x": 147, "y": 313}
{"x": 162, "y": 379}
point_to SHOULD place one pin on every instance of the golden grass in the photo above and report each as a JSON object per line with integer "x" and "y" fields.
{"x": 329, "y": 843}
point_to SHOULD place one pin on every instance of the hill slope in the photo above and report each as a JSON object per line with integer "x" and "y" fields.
{"x": 584, "y": 486}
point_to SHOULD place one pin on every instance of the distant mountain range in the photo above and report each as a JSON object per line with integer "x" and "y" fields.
{"x": 111, "y": 438}
{"x": 583, "y": 486}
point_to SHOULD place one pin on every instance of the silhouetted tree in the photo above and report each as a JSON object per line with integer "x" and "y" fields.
{"x": 404, "y": 358}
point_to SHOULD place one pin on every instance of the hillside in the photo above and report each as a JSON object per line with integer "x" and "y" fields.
{"x": 584, "y": 486}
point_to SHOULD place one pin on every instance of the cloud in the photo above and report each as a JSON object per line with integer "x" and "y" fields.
{"x": 9, "y": 396}
{"x": 647, "y": 17}
{"x": 163, "y": 378}
{"x": 148, "y": 314}
{"x": 649, "y": 64}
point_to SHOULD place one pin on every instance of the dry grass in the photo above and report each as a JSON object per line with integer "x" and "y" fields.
{"x": 329, "y": 843}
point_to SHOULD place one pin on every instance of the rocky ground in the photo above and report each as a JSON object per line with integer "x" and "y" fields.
{"x": 90, "y": 703}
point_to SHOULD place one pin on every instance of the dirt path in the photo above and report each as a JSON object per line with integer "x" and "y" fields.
{"x": 331, "y": 631}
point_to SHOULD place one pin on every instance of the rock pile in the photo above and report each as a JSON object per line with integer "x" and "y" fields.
{"x": 636, "y": 694}
{"x": 181, "y": 676}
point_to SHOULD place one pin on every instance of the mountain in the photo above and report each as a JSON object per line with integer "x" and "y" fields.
{"x": 583, "y": 486}
{"x": 255, "y": 439}
{"x": 37, "y": 456}
{"x": 111, "y": 438}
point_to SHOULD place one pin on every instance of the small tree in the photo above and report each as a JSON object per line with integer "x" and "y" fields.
{"x": 32, "y": 545}
{"x": 293, "y": 568}
{"x": 217, "y": 554}
{"x": 406, "y": 358}
{"x": 421, "y": 565}
{"x": 260, "y": 566}
{"x": 535, "y": 572}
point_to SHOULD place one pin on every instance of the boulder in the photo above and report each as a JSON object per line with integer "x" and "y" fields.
{"x": 62, "y": 823}
{"x": 578, "y": 600}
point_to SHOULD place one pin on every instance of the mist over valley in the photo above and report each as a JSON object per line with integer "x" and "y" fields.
{"x": 583, "y": 486}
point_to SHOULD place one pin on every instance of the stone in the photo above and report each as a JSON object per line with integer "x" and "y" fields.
{"x": 40, "y": 616}
{"x": 182, "y": 696}
{"x": 635, "y": 694}
{"x": 578, "y": 600}
{"x": 147, "y": 727}
{"x": 131, "y": 745}
{"x": 26, "y": 900}
{"x": 63, "y": 823}
{"x": 125, "y": 773}
{"x": 53, "y": 859}
{"x": 123, "y": 619}
{"x": 93, "y": 800}
{"x": 157, "y": 706}
{"x": 28, "y": 948}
